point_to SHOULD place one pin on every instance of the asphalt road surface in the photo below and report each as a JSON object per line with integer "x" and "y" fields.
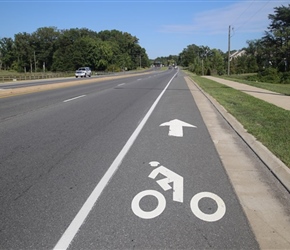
{"x": 120, "y": 164}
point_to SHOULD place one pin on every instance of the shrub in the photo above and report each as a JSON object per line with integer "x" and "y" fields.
{"x": 285, "y": 78}
{"x": 269, "y": 75}
{"x": 253, "y": 78}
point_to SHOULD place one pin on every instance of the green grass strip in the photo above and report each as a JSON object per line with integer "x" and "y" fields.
{"x": 275, "y": 87}
{"x": 267, "y": 122}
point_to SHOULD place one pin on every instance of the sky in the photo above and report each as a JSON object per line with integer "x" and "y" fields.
{"x": 163, "y": 27}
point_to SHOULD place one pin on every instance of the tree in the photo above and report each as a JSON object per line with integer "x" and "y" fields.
{"x": 217, "y": 62}
{"x": 24, "y": 51}
{"x": 277, "y": 39}
{"x": 7, "y": 55}
{"x": 188, "y": 55}
{"x": 44, "y": 42}
{"x": 74, "y": 48}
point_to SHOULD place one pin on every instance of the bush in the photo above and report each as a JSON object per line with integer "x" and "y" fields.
{"x": 285, "y": 78}
{"x": 269, "y": 75}
{"x": 114, "y": 68}
{"x": 191, "y": 68}
{"x": 253, "y": 78}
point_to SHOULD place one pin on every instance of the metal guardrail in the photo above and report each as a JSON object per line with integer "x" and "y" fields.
{"x": 36, "y": 76}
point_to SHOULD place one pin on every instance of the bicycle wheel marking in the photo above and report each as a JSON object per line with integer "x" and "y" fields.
{"x": 221, "y": 207}
{"x": 135, "y": 205}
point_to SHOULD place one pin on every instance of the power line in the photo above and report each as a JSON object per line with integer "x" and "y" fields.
{"x": 252, "y": 15}
{"x": 243, "y": 12}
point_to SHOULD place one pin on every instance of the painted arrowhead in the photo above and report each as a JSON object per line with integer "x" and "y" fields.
{"x": 176, "y": 127}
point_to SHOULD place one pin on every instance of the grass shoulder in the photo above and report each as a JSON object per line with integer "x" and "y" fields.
{"x": 267, "y": 122}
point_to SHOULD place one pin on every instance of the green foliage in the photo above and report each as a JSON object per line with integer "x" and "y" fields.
{"x": 203, "y": 60}
{"x": 268, "y": 56}
{"x": 67, "y": 50}
{"x": 269, "y": 75}
{"x": 253, "y": 78}
{"x": 285, "y": 78}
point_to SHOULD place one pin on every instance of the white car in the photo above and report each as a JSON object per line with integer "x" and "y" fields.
{"x": 83, "y": 72}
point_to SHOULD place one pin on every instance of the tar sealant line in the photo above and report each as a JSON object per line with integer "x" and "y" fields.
{"x": 81, "y": 216}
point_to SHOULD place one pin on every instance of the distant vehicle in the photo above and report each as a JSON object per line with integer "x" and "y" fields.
{"x": 83, "y": 72}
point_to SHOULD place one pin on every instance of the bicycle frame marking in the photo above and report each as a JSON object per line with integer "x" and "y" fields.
{"x": 171, "y": 177}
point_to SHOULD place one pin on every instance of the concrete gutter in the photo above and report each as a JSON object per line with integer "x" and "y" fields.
{"x": 274, "y": 164}
{"x": 265, "y": 203}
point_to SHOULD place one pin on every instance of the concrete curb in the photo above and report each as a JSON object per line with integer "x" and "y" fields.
{"x": 274, "y": 164}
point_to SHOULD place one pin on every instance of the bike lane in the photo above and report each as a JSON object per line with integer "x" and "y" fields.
{"x": 173, "y": 159}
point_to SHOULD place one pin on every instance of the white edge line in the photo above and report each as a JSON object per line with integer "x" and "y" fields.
{"x": 79, "y": 219}
{"x": 68, "y": 100}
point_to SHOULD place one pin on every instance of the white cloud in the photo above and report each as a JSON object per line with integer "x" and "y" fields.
{"x": 243, "y": 16}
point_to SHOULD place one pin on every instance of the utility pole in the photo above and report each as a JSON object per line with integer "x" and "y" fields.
{"x": 140, "y": 61}
{"x": 0, "y": 61}
{"x": 34, "y": 62}
{"x": 229, "y": 50}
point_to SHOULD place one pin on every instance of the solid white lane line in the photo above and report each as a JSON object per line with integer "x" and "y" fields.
{"x": 68, "y": 100}
{"x": 77, "y": 222}
{"x": 121, "y": 84}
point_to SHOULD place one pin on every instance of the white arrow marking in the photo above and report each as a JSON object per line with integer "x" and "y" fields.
{"x": 176, "y": 127}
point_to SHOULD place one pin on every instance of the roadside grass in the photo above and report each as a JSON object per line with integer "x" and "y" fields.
{"x": 276, "y": 87}
{"x": 267, "y": 122}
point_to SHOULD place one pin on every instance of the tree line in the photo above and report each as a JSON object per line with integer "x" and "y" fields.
{"x": 66, "y": 50}
{"x": 268, "y": 56}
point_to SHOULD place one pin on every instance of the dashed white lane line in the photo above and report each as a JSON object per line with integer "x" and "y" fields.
{"x": 77, "y": 97}
{"x": 83, "y": 213}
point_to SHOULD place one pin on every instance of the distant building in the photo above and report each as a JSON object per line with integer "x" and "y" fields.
{"x": 157, "y": 64}
{"x": 237, "y": 54}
